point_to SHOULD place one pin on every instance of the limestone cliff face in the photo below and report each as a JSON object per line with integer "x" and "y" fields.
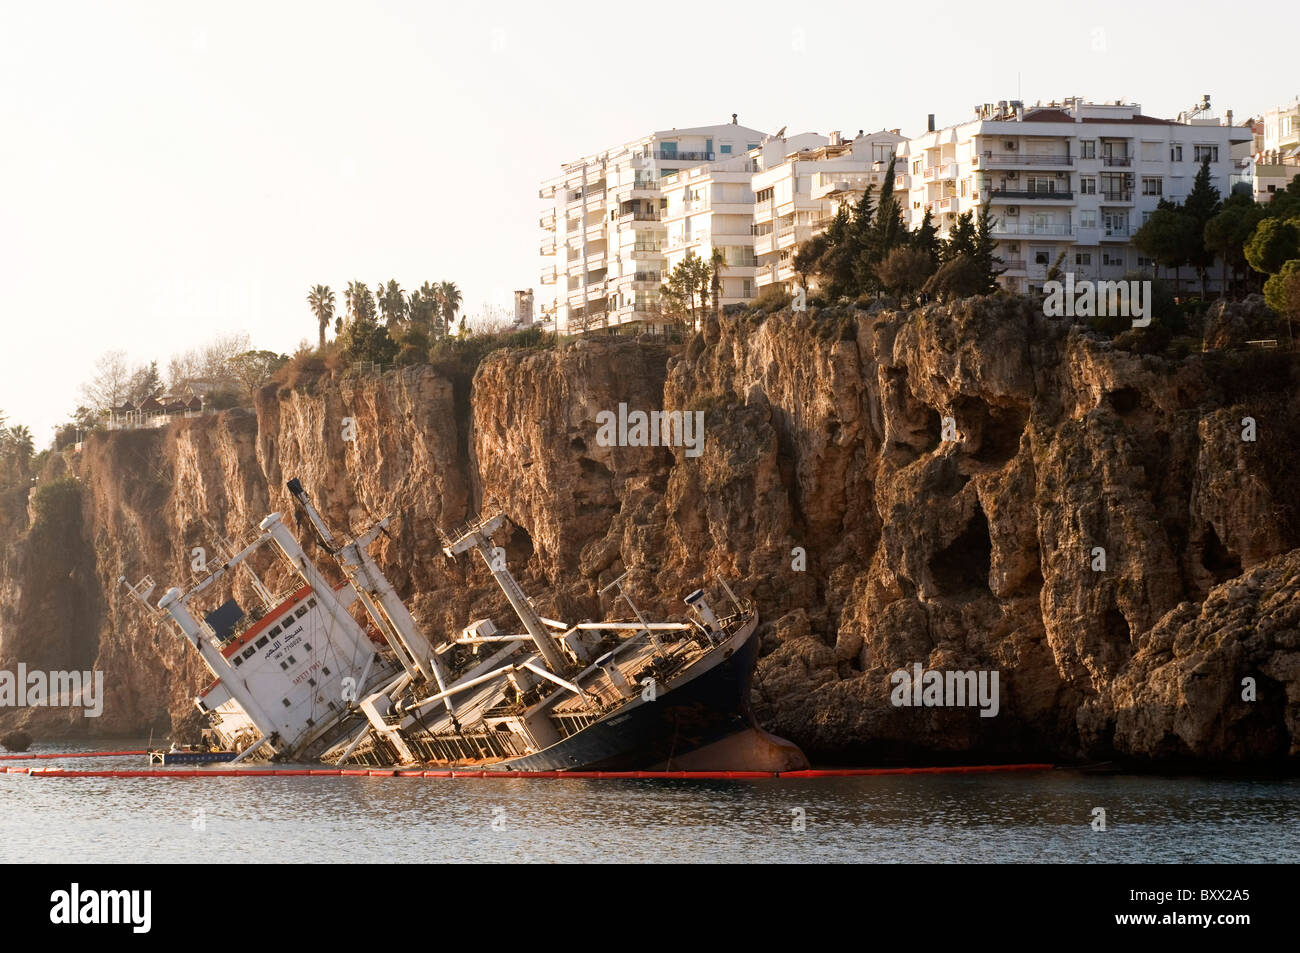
{"x": 1095, "y": 529}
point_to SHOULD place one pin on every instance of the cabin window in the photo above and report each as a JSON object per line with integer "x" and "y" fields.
{"x": 286, "y": 622}
{"x": 273, "y": 633}
{"x": 332, "y": 705}
{"x": 307, "y": 646}
{"x": 248, "y": 652}
{"x": 284, "y": 665}
{"x": 311, "y": 722}
{"x": 238, "y": 661}
{"x": 292, "y": 660}
{"x": 262, "y": 641}
{"x": 325, "y": 670}
{"x": 286, "y": 702}
{"x": 311, "y": 603}
{"x": 311, "y": 682}
{"x": 300, "y": 611}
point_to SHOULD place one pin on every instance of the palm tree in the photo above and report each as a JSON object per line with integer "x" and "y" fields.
{"x": 449, "y": 298}
{"x": 361, "y": 304}
{"x": 716, "y": 263}
{"x": 21, "y": 445}
{"x": 321, "y": 300}
{"x": 392, "y": 303}
{"x": 425, "y": 308}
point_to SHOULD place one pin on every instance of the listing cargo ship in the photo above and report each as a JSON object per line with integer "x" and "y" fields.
{"x": 299, "y": 678}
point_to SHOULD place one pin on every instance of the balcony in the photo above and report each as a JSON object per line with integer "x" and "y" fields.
{"x": 547, "y": 220}
{"x": 548, "y": 246}
{"x": 1116, "y": 233}
{"x": 1123, "y": 161}
{"x": 944, "y": 170}
{"x": 638, "y": 217}
{"x": 1013, "y": 264}
{"x": 647, "y": 251}
{"x": 1002, "y": 195}
{"x": 1032, "y": 228}
{"x": 548, "y": 276}
{"x": 1014, "y": 159}
{"x": 684, "y": 156}
{"x": 1124, "y": 195}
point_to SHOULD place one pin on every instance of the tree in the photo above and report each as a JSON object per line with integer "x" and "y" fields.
{"x": 983, "y": 251}
{"x": 1228, "y": 231}
{"x": 1274, "y": 242}
{"x": 209, "y": 364}
{"x": 1202, "y": 205}
{"x": 1282, "y": 292}
{"x": 904, "y": 270}
{"x": 424, "y": 310}
{"x": 392, "y": 304}
{"x": 111, "y": 383}
{"x": 717, "y": 261}
{"x": 961, "y": 238}
{"x": 364, "y": 339}
{"x": 1167, "y": 237}
{"x": 926, "y": 239}
{"x": 254, "y": 368}
{"x": 145, "y": 382}
{"x": 807, "y": 256}
{"x": 688, "y": 281}
{"x": 449, "y": 301}
{"x": 321, "y": 300}
{"x": 361, "y": 303}
{"x": 958, "y": 277}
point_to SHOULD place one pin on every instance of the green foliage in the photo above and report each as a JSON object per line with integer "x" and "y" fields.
{"x": 365, "y": 340}
{"x": 1282, "y": 292}
{"x": 321, "y": 300}
{"x": 57, "y": 501}
{"x": 254, "y": 368}
{"x": 1274, "y": 242}
{"x": 904, "y": 270}
{"x": 771, "y": 299}
{"x": 958, "y": 277}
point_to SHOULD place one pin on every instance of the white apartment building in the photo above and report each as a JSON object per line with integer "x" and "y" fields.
{"x": 1277, "y": 151}
{"x": 799, "y": 188}
{"x": 1072, "y": 177}
{"x": 605, "y": 234}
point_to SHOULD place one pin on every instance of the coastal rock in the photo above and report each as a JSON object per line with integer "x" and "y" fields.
{"x": 969, "y": 488}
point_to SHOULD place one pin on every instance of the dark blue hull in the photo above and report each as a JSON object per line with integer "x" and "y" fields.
{"x": 650, "y": 734}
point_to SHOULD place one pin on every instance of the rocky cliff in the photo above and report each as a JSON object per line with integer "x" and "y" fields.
{"x": 968, "y": 488}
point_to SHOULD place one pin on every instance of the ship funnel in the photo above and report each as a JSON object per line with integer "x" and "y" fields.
{"x": 696, "y": 601}
{"x": 615, "y": 675}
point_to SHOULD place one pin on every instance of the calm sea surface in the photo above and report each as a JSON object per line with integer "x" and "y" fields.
{"x": 934, "y": 818}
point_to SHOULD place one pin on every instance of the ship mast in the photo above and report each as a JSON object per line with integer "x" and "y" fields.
{"x": 478, "y": 536}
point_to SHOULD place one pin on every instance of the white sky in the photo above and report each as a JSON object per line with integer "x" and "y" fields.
{"x": 168, "y": 173}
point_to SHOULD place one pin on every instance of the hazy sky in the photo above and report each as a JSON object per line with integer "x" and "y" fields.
{"x": 168, "y": 172}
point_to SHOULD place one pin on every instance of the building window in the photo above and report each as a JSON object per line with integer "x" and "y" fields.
{"x": 1041, "y": 257}
{"x": 765, "y": 195}
{"x": 1144, "y": 262}
{"x": 1087, "y": 218}
{"x": 1112, "y": 258}
{"x": 1088, "y": 184}
{"x": 1201, "y": 153}
{"x": 1087, "y": 148}
{"x": 747, "y": 288}
{"x": 725, "y": 148}
{"x": 751, "y": 145}
{"x": 1083, "y": 258}
{"x": 1152, "y": 185}
{"x": 1176, "y": 152}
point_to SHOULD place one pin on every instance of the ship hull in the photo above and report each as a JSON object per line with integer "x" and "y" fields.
{"x": 696, "y": 714}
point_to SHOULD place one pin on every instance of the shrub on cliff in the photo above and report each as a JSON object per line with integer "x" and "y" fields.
{"x": 57, "y": 500}
{"x": 771, "y": 299}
